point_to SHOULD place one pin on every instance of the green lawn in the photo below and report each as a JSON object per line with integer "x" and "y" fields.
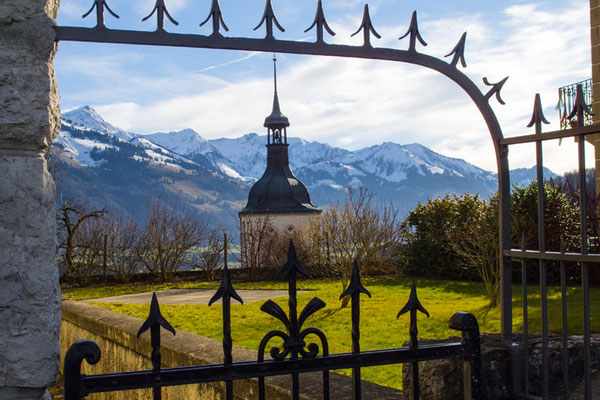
{"x": 379, "y": 326}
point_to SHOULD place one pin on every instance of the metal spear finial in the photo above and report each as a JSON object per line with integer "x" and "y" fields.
{"x": 100, "y": 5}
{"x": 217, "y": 18}
{"x": 496, "y": 87}
{"x": 367, "y": 27}
{"x": 161, "y": 10}
{"x": 413, "y": 31}
{"x": 459, "y": 52}
{"x": 268, "y": 19}
{"x": 537, "y": 118}
{"x": 320, "y": 23}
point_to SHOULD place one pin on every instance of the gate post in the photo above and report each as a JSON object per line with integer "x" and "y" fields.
{"x": 29, "y": 120}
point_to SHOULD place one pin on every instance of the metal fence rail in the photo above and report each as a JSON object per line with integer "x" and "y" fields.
{"x": 580, "y": 112}
{"x": 296, "y": 356}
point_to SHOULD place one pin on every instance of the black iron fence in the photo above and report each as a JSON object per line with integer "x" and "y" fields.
{"x": 298, "y": 354}
{"x": 580, "y": 111}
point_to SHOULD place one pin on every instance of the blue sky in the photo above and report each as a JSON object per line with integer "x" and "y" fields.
{"x": 348, "y": 103}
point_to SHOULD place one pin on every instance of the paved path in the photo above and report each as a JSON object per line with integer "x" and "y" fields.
{"x": 190, "y": 296}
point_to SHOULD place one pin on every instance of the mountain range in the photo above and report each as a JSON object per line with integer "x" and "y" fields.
{"x": 113, "y": 168}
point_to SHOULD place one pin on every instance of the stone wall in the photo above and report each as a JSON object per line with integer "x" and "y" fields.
{"x": 29, "y": 121}
{"x": 442, "y": 379}
{"x": 122, "y": 351}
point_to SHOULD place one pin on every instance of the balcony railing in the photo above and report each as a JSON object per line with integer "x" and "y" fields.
{"x": 566, "y": 101}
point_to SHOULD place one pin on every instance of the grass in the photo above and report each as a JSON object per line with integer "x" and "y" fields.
{"x": 379, "y": 327}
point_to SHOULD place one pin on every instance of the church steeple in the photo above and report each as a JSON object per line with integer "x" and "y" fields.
{"x": 276, "y": 123}
{"x": 278, "y": 190}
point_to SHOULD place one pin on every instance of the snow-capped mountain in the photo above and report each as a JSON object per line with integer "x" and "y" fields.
{"x": 87, "y": 117}
{"x": 190, "y": 144}
{"x": 215, "y": 175}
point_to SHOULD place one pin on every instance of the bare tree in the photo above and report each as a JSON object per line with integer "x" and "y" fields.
{"x": 357, "y": 230}
{"x": 122, "y": 253}
{"x": 256, "y": 234}
{"x": 70, "y": 216}
{"x": 211, "y": 253}
{"x": 168, "y": 236}
{"x": 87, "y": 249}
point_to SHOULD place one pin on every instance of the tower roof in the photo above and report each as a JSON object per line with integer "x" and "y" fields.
{"x": 276, "y": 119}
{"x": 278, "y": 190}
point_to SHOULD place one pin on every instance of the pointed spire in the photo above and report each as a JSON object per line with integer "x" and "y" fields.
{"x": 459, "y": 52}
{"x": 321, "y": 23}
{"x": 217, "y": 18}
{"x": 161, "y": 10}
{"x": 292, "y": 264}
{"x": 276, "y": 120}
{"x": 100, "y": 6}
{"x": 367, "y": 27}
{"x": 155, "y": 317}
{"x": 413, "y": 31}
{"x": 496, "y": 87}
{"x": 538, "y": 115}
{"x": 225, "y": 289}
{"x": 269, "y": 18}
{"x": 355, "y": 286}
{"x": 580, "y": 108}
{"x": 413, "y": 303}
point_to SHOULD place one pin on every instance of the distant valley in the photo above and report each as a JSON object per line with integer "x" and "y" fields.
{"x": 109, "y": 167}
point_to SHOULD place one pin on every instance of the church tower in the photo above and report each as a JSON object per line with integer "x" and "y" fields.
{"x": 278, "y": 196}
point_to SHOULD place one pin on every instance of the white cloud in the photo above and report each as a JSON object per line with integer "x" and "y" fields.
{"x": 355, "y": 103}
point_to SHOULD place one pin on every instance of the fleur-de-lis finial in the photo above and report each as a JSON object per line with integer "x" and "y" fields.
{"x": 459, "y": 52}
{"x": 217, "y": 18}
{"x": 161, "y": 10}
{"x": 496, "y": 87}
{"x": 268, "y": 19}
{"x": 580, "y": 108}
{"x": 367, "y": 27}
{"x": 413, "y": 31}
{"x": 320, "y": 23}
{"x": 100, "y": 6}
{"x": 537, "y": 118}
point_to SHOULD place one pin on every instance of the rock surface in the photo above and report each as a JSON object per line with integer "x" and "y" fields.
{"x": 29, "y": 120}
{"x": 442, "y": 379}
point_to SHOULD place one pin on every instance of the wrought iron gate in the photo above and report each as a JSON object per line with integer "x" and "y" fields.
{"x": 294, "y": 357}
{"x": 216, "y": 40}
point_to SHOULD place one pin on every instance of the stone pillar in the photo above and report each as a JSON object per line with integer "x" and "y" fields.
{"x": 29, "y": 121}
{"x": 595, "y": 40}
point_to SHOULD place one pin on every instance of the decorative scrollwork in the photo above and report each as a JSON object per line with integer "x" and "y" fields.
{"x": 293, "y": 339}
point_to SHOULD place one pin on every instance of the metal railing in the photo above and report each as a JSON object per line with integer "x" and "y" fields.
{"x": 567, "y": 96}
{"x": 294, "y": 357}
{"x": 579, "y": 112}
